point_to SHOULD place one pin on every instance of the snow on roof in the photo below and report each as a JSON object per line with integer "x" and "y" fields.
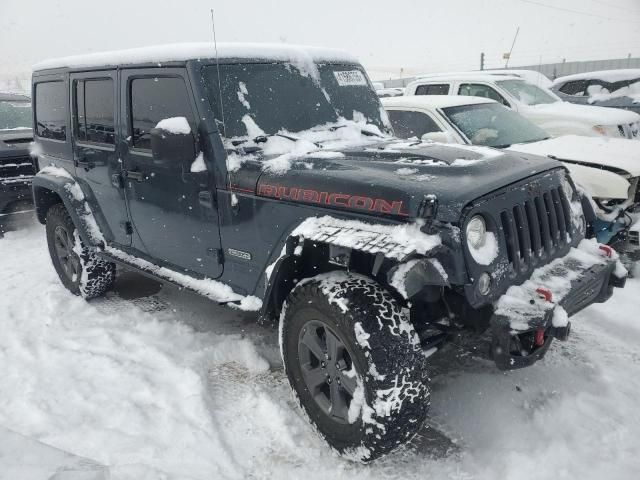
{"x": 190, "y": 51}
{"x": 606, "y": 75}
{"x": 434, "y": 101}
{"x": 479, "y": 75}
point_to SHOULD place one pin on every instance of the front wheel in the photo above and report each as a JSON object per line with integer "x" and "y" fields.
{"x": 80, "y": 269}
{"x": 355, "y": 364}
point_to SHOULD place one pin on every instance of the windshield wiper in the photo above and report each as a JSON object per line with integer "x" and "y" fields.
{"x": 265, "y": 138}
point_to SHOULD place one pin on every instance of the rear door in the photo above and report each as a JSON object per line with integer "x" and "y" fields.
{"x": 174, "y": 216}
{"x": 481, "y": 90}
{"x": 96, "y": 152}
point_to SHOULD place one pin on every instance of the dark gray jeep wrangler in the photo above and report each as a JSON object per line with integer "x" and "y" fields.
{"x": 268, "y": 179}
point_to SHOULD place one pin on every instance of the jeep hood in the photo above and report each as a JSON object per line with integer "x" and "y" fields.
{"x": 391, "y": 177}
{"x": 615, "y": 154}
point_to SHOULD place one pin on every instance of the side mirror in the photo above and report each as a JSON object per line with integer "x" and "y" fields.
{"x": 439, "y": 137}
{"x": 173, "y": 147}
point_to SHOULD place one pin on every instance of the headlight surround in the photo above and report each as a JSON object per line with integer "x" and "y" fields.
{"x": 476, "y": 232}
{"x": 608, "y": 131}
{"x": 569, "y": 191}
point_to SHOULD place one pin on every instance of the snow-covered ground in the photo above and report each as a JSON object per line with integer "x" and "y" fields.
{"x": 157, "y": 383}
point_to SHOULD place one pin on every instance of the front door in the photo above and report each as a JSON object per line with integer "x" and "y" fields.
{"x": 173, "y": 214}
{"x": 98, "y": 166}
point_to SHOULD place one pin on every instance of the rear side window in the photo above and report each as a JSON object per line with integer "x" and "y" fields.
{"x": 95, "y": 111}
{"x": 435, "y": 89}
{"x": 51, "y": 110}
{"x": 408, "y": 124}
{"x": 576, "y": 88}
{"x": 480, "y": 90}
{"x": 154, "y": 99}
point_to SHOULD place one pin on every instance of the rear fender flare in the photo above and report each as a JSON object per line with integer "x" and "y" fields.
{"x": 49, "y": 189}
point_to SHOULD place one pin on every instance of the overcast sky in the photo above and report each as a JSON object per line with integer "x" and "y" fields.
{"x": 387, "y": 35}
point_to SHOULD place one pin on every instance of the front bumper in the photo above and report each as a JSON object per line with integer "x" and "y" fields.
{"x": 529, "y": 316}
{"x": 15, "y": 195}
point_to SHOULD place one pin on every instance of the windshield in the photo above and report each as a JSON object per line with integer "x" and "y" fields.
{"x": 527, "y": 93}
{"x": 15, "y": 114}
{"x": 270, "y": 98}
{"x": 493, "y": 125}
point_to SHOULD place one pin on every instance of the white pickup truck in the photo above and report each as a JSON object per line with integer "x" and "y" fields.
{"x": 537, "y": 103}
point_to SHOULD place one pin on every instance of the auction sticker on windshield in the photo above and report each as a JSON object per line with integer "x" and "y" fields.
{"x": 349, "y": 78}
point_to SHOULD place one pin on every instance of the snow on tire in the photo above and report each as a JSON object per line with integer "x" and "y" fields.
{"x": 80, "y": 269}
{"x": 355, "y": 364}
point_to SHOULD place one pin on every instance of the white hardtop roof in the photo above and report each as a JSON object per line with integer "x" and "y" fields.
{"x": 434, "y": 101}
{"x": 606, "y": 75}
{"x": 481, "y": 76}
{"x": 193, "y": 51}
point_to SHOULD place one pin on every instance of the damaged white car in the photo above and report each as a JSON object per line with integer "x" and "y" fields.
{"x": 607, "y": 169}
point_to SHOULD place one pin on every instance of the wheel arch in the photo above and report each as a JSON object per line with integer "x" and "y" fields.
{"x": 50, "y": 190}
{"x": 302, "y": 258}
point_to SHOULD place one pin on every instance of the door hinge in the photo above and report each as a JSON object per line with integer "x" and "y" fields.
{"x": 217, "y": 253}
{"x": 128, "y": 228}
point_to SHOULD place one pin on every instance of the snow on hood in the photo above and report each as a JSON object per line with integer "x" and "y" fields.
{"x": 618, "y": 153}
{"x": 587, "y": 114}
{"x": 282, "y": 151}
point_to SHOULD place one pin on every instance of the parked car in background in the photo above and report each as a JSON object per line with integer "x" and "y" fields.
{"x": 390, "y": 92}
{"x": 16, "y": 165}
{"x": 538, "y": 104}
{"x": 608, "y": 169}
{"x": 607, "y": 88}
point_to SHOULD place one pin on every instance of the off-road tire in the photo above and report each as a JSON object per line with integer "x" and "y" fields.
{"x": 95, "y": 275}
{"x": 386, "y": 354}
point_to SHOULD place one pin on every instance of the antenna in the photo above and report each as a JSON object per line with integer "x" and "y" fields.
{"x": 215, "y": 44}
{"x": 512, "y": 45}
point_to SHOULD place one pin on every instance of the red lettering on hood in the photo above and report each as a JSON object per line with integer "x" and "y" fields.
{"x": 343, "y": 200}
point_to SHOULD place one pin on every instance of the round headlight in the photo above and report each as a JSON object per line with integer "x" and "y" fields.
{"x": 484, "y": 283}
{"x": 476, "y": 232}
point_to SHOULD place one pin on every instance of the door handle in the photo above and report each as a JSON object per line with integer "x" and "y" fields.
{"x": 205, "y": 199}
{"x": 85, "y": 163}
{"x": 136, "y": 175}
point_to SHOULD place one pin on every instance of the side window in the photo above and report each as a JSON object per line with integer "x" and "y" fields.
{"x": 51, "y": 110}
{"x": 478, "y": 90}
{"x": 153, "y": 99}
{"x": 576, "y": 88}
{"x": 434, "y": 89}
{"x": 408, "y": 124}
{"x": 94, "y": 111}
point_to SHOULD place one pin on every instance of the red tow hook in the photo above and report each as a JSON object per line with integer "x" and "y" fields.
{"x": 606, "y": 249}
{"x": 545, "y": 294}
{"x": 538, "y": 335}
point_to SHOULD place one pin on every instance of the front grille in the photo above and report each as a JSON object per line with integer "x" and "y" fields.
{"x": 16, "y": 168}
{"x": 536, "y": 229}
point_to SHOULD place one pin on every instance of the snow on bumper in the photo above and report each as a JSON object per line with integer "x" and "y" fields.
{"x": 528, "y": 316}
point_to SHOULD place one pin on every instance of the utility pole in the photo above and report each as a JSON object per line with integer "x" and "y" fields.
{"x": 482, "y": 61}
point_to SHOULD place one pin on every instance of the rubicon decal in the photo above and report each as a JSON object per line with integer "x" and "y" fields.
{"x": 344, "y": 200}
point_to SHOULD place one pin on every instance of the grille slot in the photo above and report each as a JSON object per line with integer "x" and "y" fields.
{"x": 16, "y": 167}
{"x": 536, "y": 229}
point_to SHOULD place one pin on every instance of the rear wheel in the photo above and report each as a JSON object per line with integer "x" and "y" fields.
{"x": 80, "y": 269}
{"x": 355, "y": 364}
